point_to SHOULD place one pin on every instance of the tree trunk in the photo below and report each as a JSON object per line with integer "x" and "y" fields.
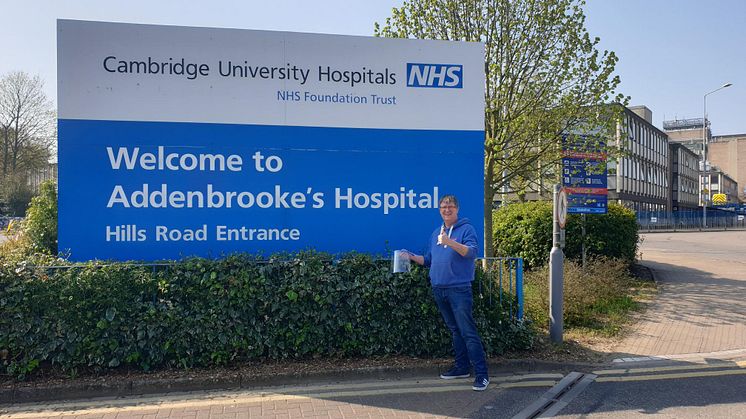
{"x": 489, "y": 193}
{"x": 6, "y": 151}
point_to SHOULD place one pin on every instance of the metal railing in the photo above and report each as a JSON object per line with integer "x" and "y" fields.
{"x": 689, "y": 220}
{"x": 502, "y": 283}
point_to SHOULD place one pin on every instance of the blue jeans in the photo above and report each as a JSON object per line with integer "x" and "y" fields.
{"x": 455, "y": 305}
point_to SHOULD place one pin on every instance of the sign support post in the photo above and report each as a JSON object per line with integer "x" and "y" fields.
{"x": 556, "y": 264}
{"x": 583, "y": 238}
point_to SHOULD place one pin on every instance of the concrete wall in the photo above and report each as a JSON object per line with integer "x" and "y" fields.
{"x": 730, "y": 156}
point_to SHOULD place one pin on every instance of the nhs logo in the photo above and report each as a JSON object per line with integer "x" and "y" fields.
{"x": 435, "y": 75}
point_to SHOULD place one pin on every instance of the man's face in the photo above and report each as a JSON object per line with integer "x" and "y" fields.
{"x": 449, "y": 212}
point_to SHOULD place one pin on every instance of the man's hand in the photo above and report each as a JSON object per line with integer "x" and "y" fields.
{"x": 443, "y": 238}
{"x": 418, "y": 259}
{"x": 453, "y": 244}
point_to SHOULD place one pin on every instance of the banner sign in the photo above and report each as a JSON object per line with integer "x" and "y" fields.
{"x": 584, "y": 175}
{"x": 178, "y": 141}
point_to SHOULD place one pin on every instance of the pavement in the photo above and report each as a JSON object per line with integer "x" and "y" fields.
{"x": 141, "y": 385}
{"x": 701, "y": 306}
{"x": 424, "y": 397}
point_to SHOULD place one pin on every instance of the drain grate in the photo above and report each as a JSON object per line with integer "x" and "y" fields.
{"x": 556, "y": 398}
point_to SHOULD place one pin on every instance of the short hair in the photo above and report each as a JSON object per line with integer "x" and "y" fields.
{"x": 448, "y": 198}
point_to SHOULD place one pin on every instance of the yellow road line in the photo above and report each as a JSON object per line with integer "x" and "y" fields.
{"x": 408, "y": 383}
{"x": 115, "y": 406}
{"x": 740, "y": 364}
{"x": 671, "y": 376}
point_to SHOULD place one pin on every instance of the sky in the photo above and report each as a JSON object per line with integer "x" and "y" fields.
{"x": 671, "y": 53}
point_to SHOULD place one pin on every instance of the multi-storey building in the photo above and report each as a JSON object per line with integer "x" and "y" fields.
{"x": 640, "y": 178}
{"x": 729, "y": 153}
{"x": 684, "y": 175}
{"x": 718, "y": 182}
{"x": 687, "y": 132}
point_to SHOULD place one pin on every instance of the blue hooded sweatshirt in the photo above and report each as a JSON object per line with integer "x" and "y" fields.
{"x": 447, "y": 267}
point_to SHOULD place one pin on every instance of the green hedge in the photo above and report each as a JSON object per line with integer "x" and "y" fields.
{"x": 202, "y": 312}
{"x": 41, "y": 219}
{"x": 525, "y": 230}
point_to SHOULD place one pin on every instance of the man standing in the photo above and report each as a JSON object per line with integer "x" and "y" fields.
{"x": 450, "y": 256}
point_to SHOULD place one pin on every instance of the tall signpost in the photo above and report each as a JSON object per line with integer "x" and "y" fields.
{"x": 583, "y": 191}
{"x": 556, "y": 264}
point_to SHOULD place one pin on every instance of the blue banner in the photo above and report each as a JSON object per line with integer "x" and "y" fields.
{"x": 165, "y": 190}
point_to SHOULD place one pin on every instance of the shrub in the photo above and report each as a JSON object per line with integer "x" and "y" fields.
{"x": 202, "y": 312}
{"x": 525, "y": 230}
{"x": 589, "y": 294}
{"x": 613, "y": 235}
{"x": 41, "y": 220}
{"x": 16, "y": 248}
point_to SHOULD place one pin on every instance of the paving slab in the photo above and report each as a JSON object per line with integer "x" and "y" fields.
{"x": 701, "y": 306}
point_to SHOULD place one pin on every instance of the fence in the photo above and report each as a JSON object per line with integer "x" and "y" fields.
{"x": 503, "y": 280}
{"x": 690, "y": 220}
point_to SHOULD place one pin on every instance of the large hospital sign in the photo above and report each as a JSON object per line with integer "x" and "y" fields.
{"x": 177, "y": 141}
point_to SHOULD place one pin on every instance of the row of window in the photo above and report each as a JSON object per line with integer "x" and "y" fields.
{"x": 647, "y": 142}
{"x": 643, "y": 206}
{"x": 643, "y": 178}
{"x": 685, "y": 185}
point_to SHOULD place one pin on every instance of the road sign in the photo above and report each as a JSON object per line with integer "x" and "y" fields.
{"x": 719, "y": 199}
{"x": 562, "y": 208}
{"x": 584, "y": 176}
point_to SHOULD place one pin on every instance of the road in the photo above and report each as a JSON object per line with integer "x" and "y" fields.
{"x": 692, "y": 391}
{"x": 685, "y": 359}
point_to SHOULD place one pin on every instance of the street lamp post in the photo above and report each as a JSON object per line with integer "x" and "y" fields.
{"x": 704, "y": 155}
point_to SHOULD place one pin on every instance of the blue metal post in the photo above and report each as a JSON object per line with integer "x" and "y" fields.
{"x": 519, "y": 287}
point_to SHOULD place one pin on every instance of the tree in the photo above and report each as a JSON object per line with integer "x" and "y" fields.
{"x": 27, "y": 134}
{"x": 544, "y": 80}
{"x": 26, "y": 122}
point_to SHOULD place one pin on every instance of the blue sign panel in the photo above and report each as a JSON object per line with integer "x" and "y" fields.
{"x": 161, "y": 190}
{"x": 584, "y": 178}
{"x": 579, "y": 203}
